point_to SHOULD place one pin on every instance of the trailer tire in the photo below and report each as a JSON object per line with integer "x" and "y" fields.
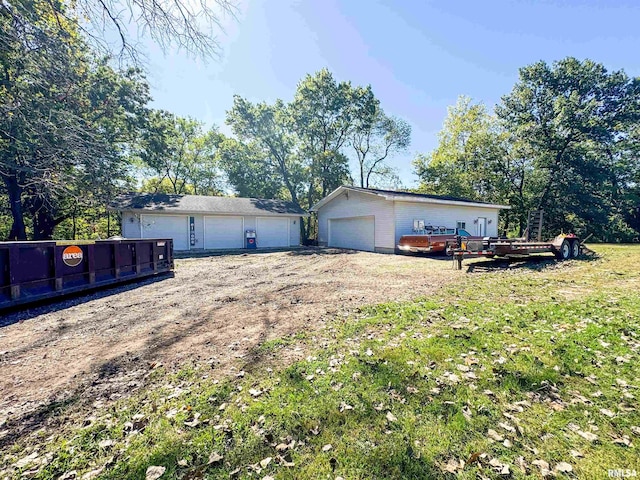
{"x": 575, "y": 248}
{"x": 564, "y": 252}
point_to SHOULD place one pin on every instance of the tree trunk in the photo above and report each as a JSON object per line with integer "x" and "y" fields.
{"x": 18, "y": 230}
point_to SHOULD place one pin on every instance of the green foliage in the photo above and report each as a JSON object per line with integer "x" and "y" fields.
{"x": 563, "y": 141}
{"x": 67, "y": 119}
{"x": 574, "y": 120}
{"x": 180, "y": 155}
{"x": 297, "y": 150}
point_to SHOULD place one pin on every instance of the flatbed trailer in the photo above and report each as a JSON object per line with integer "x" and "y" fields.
{"x": 563, "y": 247}
{"x": 32, "y": 271}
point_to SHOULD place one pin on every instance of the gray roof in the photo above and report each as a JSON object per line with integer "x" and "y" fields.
{"x": 401, "y": 196}
{"x": 160, "y": 202}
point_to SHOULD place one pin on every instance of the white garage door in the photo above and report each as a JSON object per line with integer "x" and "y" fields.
{"x": 223, "y": 232}
{"x": 167, "y": 226}
{"x": 357, "y": 233}
{"x": 272, "y": 232}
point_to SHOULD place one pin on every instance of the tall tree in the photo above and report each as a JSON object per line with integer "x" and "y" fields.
{"x": 66, "y": 119}
{"x": 574, "y": 118}
{"x": 324, "y": 113}
{"x": 180, "y": 154}
{"x": 268, "y": 127}
{"x": 375, "y": 138}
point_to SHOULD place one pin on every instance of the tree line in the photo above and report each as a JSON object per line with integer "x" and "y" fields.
{"x": 565, "y": 140}
{"x": 76, "y": 130}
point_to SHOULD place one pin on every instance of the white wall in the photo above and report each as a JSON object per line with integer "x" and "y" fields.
{"x": 131, "y": 229}
{"x": 442, "y": 215}
{"x": 356, "y": 205}
{"x": 130, "y": 225}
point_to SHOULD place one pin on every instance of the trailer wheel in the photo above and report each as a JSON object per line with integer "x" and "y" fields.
{"x": 564, "y": 252}
{"x": 575, "y": 249}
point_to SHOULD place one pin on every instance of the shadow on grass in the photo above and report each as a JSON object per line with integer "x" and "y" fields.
{"x": 26, "y": 424}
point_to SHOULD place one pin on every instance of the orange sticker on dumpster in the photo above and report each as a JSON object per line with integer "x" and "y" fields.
{"x": 72, "y": 256}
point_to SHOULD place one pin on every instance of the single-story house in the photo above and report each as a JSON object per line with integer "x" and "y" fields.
{"x": 208, "y": 222}
{"x": 374, "y": 220}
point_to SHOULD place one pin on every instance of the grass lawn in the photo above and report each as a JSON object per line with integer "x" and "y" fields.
{"x": 524, "y": 372}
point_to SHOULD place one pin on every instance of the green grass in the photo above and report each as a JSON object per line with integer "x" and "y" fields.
{"x": 544, "y": 356}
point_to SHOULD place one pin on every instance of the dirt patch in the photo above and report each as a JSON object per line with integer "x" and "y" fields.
{"x": 215, "y": 309}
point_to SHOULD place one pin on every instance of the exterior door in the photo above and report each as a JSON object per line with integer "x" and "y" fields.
{"x": 272, "y": 232}
{"x": 223, "y": 232}
{"x": 175, "y": 227}
{"x": 356, "y": 233}
{"x": 482, "y": 227}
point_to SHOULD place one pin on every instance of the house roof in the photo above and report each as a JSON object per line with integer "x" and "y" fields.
{"x": 160, "y": 202}
{"x": 400, "y": 196}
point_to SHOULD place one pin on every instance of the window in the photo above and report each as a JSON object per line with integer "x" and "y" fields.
{"x": 461, "y": 225}
{"x": 418, "y": 225}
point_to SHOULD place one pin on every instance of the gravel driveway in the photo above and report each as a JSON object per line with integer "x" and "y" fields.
{"x": 216, "y": 309}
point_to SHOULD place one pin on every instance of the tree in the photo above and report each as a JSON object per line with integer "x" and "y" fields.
{"x": 67, "y": 118}
{"x": 325, "y": 113}
{"x": 374, "y": 139}
{"x": 188, "y": 26}
{"x": 574, "y": 118}
{"x": 180, "y": 154}
{"x": 478, "y": 160}
{"x": 249, "y": 170}
{"x": 268, "y": 128}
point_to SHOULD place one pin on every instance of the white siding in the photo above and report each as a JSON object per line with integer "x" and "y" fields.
{"x": 358, "y": 205}
{"x": 130, "y": 225}
{"x": 442, "y": 215}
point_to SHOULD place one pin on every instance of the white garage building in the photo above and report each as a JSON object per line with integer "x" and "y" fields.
{"x": 207, "y": 222}
{"x": 374, "y": 220}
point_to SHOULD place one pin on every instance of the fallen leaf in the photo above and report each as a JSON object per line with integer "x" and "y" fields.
{"x": 451, "y": 466}
{"x": 254, "y": 392}
{"x": 592, "y": 437}
{"x": 327, "y": 447}
{"x": 563, "y": 467}
{"x": 182, "y": 463}
{"x": 194, "y": 422}
{"x": 543, "y": 466}
{"x": 264, "y": 463}
{"x": 625, "y": 441}
{"x": 215, "y": 458}
{"x": 607, "y": 412}
{"x": 106, "y": 443}
{"x": 391, "y": 417}
{"x": 154, "y": 472}
{"x": 495, "y": 435}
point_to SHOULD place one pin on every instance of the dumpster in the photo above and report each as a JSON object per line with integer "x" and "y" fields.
{"x": 250, "y": 240}
{"x": 33, "y": 271}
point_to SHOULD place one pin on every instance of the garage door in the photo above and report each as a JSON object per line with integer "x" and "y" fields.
{"x": 272, "y": 232}
{"x": 357, "y": 233}
{"x": 223, "y": 232}
{"x": 167, "y": 226}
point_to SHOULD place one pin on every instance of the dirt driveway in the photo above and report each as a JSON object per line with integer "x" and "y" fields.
{"x": 215, "y": 309}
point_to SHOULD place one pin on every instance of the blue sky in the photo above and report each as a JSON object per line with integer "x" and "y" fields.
{"x": 418, "y": 56}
